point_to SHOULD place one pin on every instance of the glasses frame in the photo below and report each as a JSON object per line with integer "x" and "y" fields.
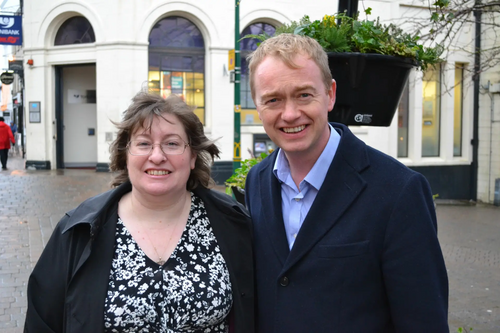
{"x": 153, "y": 147}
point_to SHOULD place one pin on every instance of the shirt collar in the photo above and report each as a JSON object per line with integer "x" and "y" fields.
{"x": 317, "y": 174}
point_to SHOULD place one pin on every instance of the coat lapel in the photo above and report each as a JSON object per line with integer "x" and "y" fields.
{"x": 271, "y": 215}
{"x": 342, "y": 185}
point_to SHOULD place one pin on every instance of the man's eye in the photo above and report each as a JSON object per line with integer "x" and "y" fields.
{"x": 304, "y": 95}
{"x": 272, "y": 100}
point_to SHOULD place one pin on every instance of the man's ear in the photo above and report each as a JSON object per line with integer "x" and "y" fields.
{"x": 332, "y": 95}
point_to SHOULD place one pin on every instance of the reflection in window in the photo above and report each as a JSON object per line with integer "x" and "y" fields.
{"x": 249, "y": 114}
{"x": 403, "y": 118}
{"x": 177, "y": 62}
{"x": 458, "y": 110}
{"x": 431, "y": 109}
{"x": 75, "y": 30}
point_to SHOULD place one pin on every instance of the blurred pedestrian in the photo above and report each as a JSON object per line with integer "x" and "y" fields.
{"x": 13, "y": 127}
{"x": 6, "y": 137}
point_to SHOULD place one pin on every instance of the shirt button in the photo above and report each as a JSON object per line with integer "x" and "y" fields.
{"x": 284, "y": 281}
{"x": 297, "y": 199}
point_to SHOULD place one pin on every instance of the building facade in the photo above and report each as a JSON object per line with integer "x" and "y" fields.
{"x": 89, "y": 58}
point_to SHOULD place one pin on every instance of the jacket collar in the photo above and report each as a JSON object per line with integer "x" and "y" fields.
{"x": 89, "y": 211}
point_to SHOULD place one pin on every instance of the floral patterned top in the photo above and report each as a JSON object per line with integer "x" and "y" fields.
{"x": 191, "y": 292}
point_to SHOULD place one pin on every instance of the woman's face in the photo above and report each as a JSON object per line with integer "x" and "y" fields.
{"x": 157, "y": 174}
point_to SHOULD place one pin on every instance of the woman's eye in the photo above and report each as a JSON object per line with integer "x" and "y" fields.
{"x": 143, "y": 144}
{"x": 172, "y": 143}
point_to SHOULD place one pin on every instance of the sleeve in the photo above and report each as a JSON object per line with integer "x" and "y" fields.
{"x": 47, "y": 285}
{"x": 413, "y": 266}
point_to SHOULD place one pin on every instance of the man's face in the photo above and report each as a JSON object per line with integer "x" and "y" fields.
{"x": 293, "y": 105}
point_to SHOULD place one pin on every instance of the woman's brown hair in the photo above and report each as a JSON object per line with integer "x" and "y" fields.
{"x": 141, "y": 113}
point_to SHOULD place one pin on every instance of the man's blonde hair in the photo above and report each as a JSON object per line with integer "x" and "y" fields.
{"x": 286, "y": 47}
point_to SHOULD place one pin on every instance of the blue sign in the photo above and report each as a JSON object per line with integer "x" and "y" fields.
{"x": 176, "y": 82}
{"x": 11, "y": 32}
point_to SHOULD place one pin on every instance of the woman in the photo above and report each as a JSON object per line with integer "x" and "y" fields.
{"x": 160, "y": 252}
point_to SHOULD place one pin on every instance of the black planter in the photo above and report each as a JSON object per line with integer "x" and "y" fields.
{"x": 238, "y": 195}
{"x": 369, "y": 87}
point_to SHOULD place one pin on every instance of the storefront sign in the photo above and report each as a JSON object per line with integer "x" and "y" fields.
{"x": 176, "y": 82}
{"x": 11, "y": 30}
{"x": 16, "y": 66}
{"x": 7, "y": 78}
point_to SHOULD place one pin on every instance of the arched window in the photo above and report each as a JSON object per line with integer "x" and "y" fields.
{"x": 75, "y": 30}
{"x": 247, "y": 46}
{"x": 177, "y": 62}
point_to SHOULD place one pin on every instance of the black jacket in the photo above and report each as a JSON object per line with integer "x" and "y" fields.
{"x": 67, "y": 288}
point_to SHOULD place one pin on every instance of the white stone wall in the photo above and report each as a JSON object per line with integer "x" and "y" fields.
{"x": 121, "y": 57}
{"x": 489, "y": 123}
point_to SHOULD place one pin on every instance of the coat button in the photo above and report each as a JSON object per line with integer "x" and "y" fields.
{"x": 284, "y": 281}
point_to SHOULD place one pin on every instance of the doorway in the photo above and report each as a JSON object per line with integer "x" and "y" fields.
{"x": 76, "y": 117}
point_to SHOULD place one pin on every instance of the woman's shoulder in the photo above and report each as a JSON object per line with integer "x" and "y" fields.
{"x": 89, "y": 210}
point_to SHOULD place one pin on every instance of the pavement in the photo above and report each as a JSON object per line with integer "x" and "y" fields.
{"x": 33, "y": 201}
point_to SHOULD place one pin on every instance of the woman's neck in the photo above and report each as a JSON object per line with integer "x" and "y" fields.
{"x": 154, "y": 210}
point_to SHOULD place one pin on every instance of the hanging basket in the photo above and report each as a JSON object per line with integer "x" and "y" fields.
{"x": 369, "y": 87}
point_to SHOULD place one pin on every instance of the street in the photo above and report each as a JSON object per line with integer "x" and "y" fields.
{"x": 33, "y": 201}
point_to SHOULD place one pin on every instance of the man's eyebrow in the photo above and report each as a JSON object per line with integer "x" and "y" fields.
{"x": 305, "y": 87}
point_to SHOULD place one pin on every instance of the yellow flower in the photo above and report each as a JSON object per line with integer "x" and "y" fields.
{"x": 329, "y": 21}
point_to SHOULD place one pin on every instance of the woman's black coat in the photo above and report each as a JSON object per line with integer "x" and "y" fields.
{"x": 67, "y": 288}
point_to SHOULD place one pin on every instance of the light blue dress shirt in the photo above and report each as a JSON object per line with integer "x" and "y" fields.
{"x": 296, "y": 202}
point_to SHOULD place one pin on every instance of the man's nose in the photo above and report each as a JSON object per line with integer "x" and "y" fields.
{"x": 291, "y": 111}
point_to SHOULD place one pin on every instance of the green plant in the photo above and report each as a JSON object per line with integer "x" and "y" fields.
{"x": 240, "y": 175}
{"x": 342, "y": 33}
{"x": 464, "y": 330}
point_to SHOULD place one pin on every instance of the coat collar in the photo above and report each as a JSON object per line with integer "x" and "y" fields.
{"x": 342, "y": 185}
{"x": 91, "y": 209}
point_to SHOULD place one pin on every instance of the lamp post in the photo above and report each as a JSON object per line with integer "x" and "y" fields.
{"x": 237, "y": 75}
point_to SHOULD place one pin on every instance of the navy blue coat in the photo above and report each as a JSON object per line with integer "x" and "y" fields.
{"x": 367, "y": 257}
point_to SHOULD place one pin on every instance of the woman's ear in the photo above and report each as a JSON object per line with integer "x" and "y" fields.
{"x": 193, "y": 160}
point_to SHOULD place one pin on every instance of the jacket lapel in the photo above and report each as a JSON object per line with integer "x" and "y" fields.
{"x": 342, "y": 185}
{"x": 271, "y": 215}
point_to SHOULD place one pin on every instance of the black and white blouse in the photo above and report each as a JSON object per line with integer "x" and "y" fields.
{"x": 191, "y": 292}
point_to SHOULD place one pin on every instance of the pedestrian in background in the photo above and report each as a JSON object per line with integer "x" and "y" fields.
{"x": 345, "y": 236}
{"x": 13, "y": 127}
{"x": 159, "y": 253}
{"x": 6, "y": 137}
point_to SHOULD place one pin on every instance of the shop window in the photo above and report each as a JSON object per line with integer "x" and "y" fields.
{"x": 458, "y": 110}
{"x": 177, "y": 62}
{"x": 75, "y": 30}
{"x": 403, "y": 119}
{"x": 431, "y": 111}
{"x": 248, "y": 45}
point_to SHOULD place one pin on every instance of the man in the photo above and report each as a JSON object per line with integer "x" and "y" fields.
{"x": 345, "y": 236}
{"x": 13, "y": 127}
{"x": 6, "y": 138}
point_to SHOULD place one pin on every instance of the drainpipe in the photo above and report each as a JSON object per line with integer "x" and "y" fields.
{"x": 475, "y": 136}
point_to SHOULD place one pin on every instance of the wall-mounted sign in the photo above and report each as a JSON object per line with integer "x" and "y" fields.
{"x": 16, "y": 66}
{"x": 35, "y": 111}
{"x": 81, "y": 96}
{"x": 7, "y": 78}
{"x": 11, "y": 30}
